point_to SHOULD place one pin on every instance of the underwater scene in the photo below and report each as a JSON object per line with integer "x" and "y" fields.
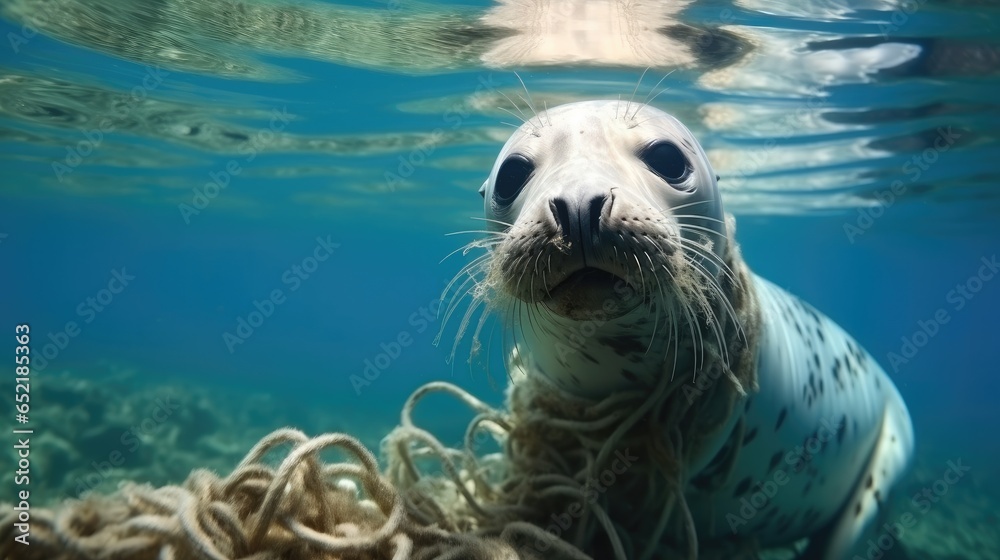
{"x": 511, "y": 279}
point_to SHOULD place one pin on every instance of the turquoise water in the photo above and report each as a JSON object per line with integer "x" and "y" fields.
{"x": 856, "y": 143}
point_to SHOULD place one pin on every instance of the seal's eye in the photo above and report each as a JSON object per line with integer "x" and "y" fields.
{"x": 666, "y": 160}
{"x": 511, "y": 178}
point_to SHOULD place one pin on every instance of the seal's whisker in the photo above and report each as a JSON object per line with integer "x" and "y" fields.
{"x": 709, "y": 218}
{"x": 697, "y": 341}
{"x": 477, "y": 244}
{"x": 675, "y": 324}
{"x": 525, "y": 317}
{"x": 651, "y": 308}
{"x": 479, "y": 262}
{"x": 712, "y": 322}
{"x": 506, "y": 345}
{"x": 538, "y": 255}
{"x": 517, "y": 285}
{"x": 489, "y": 350}
{"x": 709, "y": 255}
{"x": 460, "y": 294}
{"x": 689, "y": 316}
{"x": 705, "y": 252}
{"x": 637, "y": 123}
{"x": 642, "y": 279}
{"x": 479, "y": 231}
{"x": 675, "y": 331}
{"x": 688, "y": 205}
{"x": 634, "y": 90}
{"x": 476, "y": 265}
{"x": 476, "y": 343}
{"x": 700, "y": 345}
{"x": 533, "y": 323}
{"x": 648, "y": 100}
{"x": 529, "y": 101}
{"x": 713, "y": 284}
{"x": 662, "y": 302}
{"x": 720, "y": 295}
{"x": 659, "y": 288}
{"x": 498, "y": 222}
{"x": 511, "y": 113}
{"x": 531, "y": 284}
{"x": 477, "y": 302}
{"x": 458, "y": 335}
{"x": 520, "y": 116}
{"x": 520, "y": 307}
{"x": 703, "y": 229}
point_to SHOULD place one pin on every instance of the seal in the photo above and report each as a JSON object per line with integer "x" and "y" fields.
{"x": 615, "y": 269}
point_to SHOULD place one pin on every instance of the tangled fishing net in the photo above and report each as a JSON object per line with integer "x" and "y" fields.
{"x": 301, "y": 509}
{"x": 569, "y": 478}
{"x": 579, "y": 478}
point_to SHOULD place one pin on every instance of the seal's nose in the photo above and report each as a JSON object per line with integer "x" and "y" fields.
{"x": 580, "y": 216}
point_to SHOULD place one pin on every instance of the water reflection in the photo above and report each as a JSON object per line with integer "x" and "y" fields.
{"x": 770, "y": 86}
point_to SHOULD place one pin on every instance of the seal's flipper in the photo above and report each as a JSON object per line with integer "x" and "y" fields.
{"x": 888, "y": 462}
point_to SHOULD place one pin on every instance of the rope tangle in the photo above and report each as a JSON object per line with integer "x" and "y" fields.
{"x": 543, "y": 495}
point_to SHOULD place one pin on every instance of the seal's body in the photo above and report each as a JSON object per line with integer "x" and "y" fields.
{"x": 616, "y": 269}
{"x": 823, "y": 439}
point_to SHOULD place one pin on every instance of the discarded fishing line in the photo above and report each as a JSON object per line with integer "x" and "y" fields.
{"x": 303, "y": 509}
{"x": 575, "y": 478}
{"x": 571, "y": 479}
{"x": 494, "y": 506}
{"x": 578, "y": 478}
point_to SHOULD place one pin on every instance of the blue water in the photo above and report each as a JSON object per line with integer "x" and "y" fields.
{"x": 197, "y": 274}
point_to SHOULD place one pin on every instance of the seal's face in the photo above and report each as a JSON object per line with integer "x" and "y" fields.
{"x": 603, "y": 211}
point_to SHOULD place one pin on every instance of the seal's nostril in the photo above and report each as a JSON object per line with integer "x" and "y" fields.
{"x": 596, "y": 208}
{"x": 560, "y": 211}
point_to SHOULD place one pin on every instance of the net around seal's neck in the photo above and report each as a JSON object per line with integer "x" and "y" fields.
{"x": 672, "y": 430}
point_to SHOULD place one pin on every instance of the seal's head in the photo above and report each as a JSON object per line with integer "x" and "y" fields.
{"x": 610, "y": 239}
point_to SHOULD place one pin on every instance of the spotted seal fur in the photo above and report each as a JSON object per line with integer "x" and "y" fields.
{"x": 615, "y": 269}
